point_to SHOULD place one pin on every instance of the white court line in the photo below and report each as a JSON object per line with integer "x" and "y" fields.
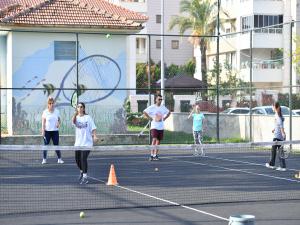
{"x": 244, "y": 162}
{"x": 238, "y": 170}
{"x": 165, "y": 200}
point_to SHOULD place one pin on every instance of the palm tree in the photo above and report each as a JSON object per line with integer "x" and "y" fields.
{"x": 201, "y": 19}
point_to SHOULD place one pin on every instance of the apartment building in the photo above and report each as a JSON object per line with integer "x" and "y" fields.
{"x": 177, "y": 50}
{"x": 270, "y": 46}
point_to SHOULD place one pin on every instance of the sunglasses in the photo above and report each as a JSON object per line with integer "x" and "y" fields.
{"x": 159, "y": 99}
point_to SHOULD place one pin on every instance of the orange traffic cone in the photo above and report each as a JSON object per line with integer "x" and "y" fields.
{"x": 297, "y": 175}
{"x": 112, "y": 178}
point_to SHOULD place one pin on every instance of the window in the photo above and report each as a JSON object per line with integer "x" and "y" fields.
{"x": 246, "y": 22}
{"x": 261, "y": 21}
{"x": 158, "y": 44}
{"x": 230, "y": 58}
{"x": 175, "y": 44}
{"x": 142, "y": 105}
{"x": 184, "y": 106}
{"x": 140, "y": 45}
{"x": 64, "y": 50}
{"x": 158, "y": 18}
{"x": 267, "y": 20}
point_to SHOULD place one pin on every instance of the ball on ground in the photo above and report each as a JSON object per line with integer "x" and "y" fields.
{"x": 107, "y": 36}
{"x": 82, "y": 215}
{"x": 156, "y": 169}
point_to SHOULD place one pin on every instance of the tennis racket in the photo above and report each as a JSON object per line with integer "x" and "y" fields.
{"x": 284, "y": 151}
{"x": 144, "y": 129}
{"x": 74, "y": 100}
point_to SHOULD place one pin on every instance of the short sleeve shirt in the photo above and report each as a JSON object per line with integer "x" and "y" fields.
{"x": 52, "y": 119}
{"x": 197, "y": 121}
{"x": 157, "y": 113}
{"x": 84, "y": 127}
{"x": 278, "y": 125}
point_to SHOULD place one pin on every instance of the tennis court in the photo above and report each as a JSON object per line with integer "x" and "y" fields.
{"x": 178, "y": 189}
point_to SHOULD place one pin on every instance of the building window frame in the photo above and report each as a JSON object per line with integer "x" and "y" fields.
{"x": 175, "y": 44}
{"x": 64, "y": 50}
{"x": 158, "y": 18}
{"x": 158, "y": 44}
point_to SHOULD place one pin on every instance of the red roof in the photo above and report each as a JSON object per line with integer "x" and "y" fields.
{"x": 71, "y": 13}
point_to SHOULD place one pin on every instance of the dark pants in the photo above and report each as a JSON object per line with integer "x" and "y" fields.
{"x": 81, "y": 160}
{"x": 273, "y": 155}
{"x": 54, "y": 135}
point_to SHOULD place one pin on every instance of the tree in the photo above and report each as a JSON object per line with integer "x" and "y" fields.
{"x": 229, "y": 84}
{"x": 201, "y": 18}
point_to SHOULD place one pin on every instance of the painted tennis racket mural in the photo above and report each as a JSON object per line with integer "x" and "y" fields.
{"x": 98, "y": 77}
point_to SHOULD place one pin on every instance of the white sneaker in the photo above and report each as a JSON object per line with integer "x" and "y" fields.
{"x": 281, "y": 169}
{"x": 60, "y": 161}
{"x": 44, "y": 161}
{"x": 269, "y": 166}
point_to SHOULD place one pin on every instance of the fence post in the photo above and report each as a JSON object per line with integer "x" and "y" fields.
{"x": 291, "y": 77}
{"x": 251, "y": 86}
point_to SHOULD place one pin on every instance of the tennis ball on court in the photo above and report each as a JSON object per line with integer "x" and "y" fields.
{"x": 107, "y": 36}
{"x": 82, "y": 215}
{"x": 156, "y": 169}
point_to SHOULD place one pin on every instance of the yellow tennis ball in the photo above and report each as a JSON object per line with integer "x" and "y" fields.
{"x": 82, "y": 215}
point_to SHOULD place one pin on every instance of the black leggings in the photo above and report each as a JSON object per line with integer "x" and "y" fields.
{"x": 81, "y": 160}
{"x": 273, "y": 155}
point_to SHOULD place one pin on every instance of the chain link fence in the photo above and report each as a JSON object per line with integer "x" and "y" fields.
{"x": 233, "y": 79}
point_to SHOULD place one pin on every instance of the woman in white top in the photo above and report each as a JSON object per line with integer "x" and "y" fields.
{"x": 85, "y": 136}
{"x": 50, "y": 126}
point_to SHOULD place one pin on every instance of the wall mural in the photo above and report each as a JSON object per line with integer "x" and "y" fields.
{"x": 59, "y": 79}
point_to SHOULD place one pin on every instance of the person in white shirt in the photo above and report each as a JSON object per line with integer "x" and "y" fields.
{"x": 157, "y": 113}
{"x": 85, "y": 136}
{"x": 50, "y": 127}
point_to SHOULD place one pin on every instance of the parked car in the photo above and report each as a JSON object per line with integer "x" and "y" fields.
{"x": 268, "y": 110}
{"x": 236, "y": 111}
{"x": 296, "y": 112}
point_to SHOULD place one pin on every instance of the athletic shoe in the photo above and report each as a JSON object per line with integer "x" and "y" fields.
{"x": 269, "y": 166}
{"x": 80, "y": 176}
{"x": 281, "y": 169}
{"x": 44, "y": 161}
{"x": 84, "y": 180}
{"x": 60, "y": 161}
{"x": 151, "y": 158}
{"x": 156, "y": 158}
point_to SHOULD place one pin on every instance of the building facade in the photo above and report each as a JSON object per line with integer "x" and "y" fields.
{"x": 270, "y": 45}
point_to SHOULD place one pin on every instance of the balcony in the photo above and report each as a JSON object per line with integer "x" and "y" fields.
{"x": 271, "y": 7}
{"x": 262, "y": 72}
{"x": 262, "y": 38}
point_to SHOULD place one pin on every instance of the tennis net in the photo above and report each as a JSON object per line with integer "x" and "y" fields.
{"x": 226, "y": 173}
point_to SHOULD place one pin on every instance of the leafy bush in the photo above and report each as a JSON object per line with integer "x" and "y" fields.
{"x": 136, "y": 119}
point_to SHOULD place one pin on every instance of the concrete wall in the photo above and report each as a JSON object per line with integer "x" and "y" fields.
{"x": 69, "y": 140}
{"x": 234, "y": 126}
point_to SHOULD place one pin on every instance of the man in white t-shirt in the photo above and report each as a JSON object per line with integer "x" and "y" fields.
{"x": 157, "y": 114}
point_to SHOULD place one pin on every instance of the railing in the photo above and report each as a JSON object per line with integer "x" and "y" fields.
{"x": 269, "y": 65}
